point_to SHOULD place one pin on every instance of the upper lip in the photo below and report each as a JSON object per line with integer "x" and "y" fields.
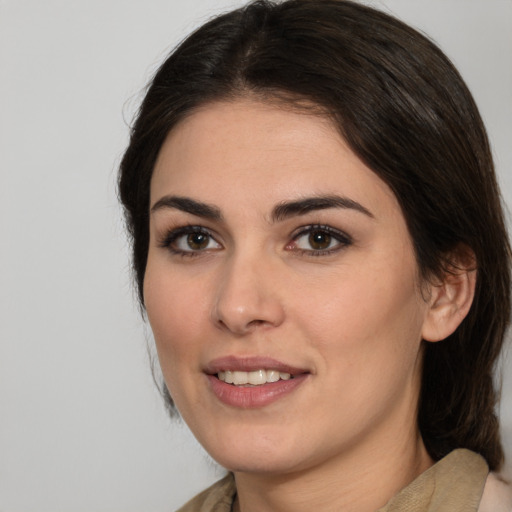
{"x": 250, "y": 364}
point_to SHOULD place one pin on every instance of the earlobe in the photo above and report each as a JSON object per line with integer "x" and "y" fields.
{"x": 450, "y": 300}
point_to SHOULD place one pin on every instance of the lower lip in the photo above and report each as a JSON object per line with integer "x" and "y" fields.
{"x": 255, "y": 396}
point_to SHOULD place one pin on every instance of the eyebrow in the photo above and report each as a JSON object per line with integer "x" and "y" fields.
{"x": 281, "y": 212}
{"x": 187, "y": 205}
{"x": 303, "y": 206}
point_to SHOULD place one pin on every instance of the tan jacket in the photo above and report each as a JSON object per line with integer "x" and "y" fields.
{"x": 458, "y": 483}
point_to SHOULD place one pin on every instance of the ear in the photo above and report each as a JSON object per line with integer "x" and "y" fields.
{"x": 451, "y": 296}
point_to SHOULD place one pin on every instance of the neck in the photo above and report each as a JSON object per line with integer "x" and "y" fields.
{"x": 361, "y": 481}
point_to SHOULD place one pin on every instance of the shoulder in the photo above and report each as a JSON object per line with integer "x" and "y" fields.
{"x": 217, "y": 498}
{"x": 453, "y": 484}
{"x": 497, "y": 495}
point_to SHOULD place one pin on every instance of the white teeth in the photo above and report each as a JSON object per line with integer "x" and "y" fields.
{"x": 254, "y": 378}
{"x": 240, "y": 378}
{"x": 237, "y": 378}
{"x": 258, "y": 377}
{"x": 272, "y": 376}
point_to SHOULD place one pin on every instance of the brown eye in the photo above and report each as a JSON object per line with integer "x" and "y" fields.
{"x": 190, "y": 240}
{"x": 198, "y": 241}
{"x": 319, "y": 240}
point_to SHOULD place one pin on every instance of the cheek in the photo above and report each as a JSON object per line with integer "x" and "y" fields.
{"x": 175, "y": 311}
{"x": 366, "y": 314}
{"x": 368, "y": 333}
{"x": 175, "y": 319}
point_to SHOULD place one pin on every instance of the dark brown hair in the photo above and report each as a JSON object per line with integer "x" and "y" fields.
{"x": 405, "y": 111}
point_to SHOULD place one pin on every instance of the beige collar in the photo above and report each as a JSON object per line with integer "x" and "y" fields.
{"x": 454, "y": 484}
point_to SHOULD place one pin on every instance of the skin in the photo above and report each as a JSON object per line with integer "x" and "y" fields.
{"x": 353, "y": 317}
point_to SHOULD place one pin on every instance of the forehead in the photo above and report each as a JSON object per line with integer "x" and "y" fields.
{"x": 259, "y": 152}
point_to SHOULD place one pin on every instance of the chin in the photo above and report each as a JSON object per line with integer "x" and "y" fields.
{"x": 240, "y": 448}
{"x": 247, "y": 463}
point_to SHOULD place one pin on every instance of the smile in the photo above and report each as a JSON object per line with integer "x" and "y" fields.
{"x": 254, "y": 378}
{"x": 253, "y": 382}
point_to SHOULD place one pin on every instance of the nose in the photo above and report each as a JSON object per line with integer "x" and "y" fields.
{"x": 247, "y": 296}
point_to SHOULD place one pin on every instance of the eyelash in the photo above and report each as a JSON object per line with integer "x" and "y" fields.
{"x": 170, "y": 239}
{"x": 342, "y": 240}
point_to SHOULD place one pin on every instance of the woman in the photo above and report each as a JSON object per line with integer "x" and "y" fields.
{"x": 320, "y": 249}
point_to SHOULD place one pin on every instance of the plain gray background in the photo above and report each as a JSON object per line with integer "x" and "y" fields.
{"x": 82, "y": 427}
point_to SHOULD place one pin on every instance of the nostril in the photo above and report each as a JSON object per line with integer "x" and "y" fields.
{"x": 256, "y": 323}
{"x": 241, "y": 327}
{"x": 241, "y": 309}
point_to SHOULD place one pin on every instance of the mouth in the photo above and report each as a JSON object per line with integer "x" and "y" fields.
{"x": 253, "y": 378}
{"x": 250, "y": 382}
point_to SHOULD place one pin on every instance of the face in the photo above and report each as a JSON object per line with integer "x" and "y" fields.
{"x": 282, "y": 290}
